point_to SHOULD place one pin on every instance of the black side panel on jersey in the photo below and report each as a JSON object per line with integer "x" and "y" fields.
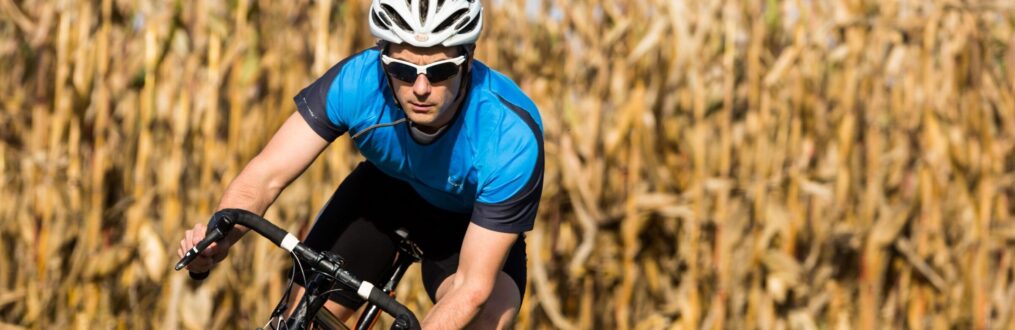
{"x": 518, "y": 213}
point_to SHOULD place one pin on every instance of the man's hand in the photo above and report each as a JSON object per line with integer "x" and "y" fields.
{"x": 210, "y": 256}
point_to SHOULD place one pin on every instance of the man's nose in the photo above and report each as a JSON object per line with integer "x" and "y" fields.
{"x": 421, "y": 86}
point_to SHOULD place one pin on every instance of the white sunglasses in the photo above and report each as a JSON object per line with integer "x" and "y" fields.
{"x": 435, "y": 72}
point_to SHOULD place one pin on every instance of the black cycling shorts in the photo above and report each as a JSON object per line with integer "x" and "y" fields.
{"x": 359, "y": 224}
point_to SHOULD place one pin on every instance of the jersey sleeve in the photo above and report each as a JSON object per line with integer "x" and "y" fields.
{"x": 512, "y": 183}
{"x": 316, "y": 103}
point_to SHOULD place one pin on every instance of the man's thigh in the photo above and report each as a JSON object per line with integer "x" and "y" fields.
{"x": 351, "y": 226}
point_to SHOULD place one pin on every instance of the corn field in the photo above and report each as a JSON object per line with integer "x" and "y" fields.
{"x": 794, "y": 164}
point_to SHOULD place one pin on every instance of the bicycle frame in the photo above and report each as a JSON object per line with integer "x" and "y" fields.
{"x": 314, "y": 297}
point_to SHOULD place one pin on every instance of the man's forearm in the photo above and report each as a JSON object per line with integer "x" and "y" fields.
{"x": 454, "y": 311}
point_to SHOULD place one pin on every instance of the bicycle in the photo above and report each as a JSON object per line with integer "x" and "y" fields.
{"x": 327, "y": 276}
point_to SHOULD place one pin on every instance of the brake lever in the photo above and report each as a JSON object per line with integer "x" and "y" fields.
{"x": 215, "y": 232}
{"x": 212, "y": 236}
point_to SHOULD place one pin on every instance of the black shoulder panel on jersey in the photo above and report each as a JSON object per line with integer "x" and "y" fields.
{"x": 312, "y": 101}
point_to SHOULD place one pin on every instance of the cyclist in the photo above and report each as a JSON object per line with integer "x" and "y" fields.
{"x": 454, "y": 153}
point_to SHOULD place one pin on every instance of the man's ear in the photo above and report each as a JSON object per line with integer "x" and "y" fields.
{"x": 470, "y": 54}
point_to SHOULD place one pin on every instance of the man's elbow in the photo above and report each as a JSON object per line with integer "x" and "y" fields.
{"x": 260, "y": 172}
{"x": 476, "y": 295}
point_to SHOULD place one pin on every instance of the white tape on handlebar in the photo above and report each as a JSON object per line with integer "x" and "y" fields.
{"x": 364, "y": 289}
{"x": 289, "y": 242}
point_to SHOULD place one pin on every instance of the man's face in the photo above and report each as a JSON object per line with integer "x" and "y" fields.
{"x": 426, "y": 103}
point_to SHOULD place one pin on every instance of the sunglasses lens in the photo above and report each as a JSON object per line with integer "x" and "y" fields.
{"x": 402, "y": 72}
{"x": 434, "y": 74}
{"x": 441, "y": 72}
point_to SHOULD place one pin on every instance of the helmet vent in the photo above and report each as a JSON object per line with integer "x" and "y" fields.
{"x": 394, "y": 16}
{"x": 378, "y": 21}
{"x": 424, "y": 6}
{"x": 451, "y": 20}
{"x": 469, "y": 27}
{"x": 440, "y": 3}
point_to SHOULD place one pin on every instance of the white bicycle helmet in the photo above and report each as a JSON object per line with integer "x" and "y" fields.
{"x": 427, "y": 23}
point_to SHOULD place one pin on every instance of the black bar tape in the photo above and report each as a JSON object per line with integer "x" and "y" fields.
{"x": 388, "y": 304}
{"x": 257, "y": 224}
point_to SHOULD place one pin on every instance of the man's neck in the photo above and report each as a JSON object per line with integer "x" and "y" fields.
{"x": 428, "y": 129}
{"x": 422, "y": 136}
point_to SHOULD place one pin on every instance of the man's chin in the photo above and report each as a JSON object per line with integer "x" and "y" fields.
{"x": 420, "y": 119}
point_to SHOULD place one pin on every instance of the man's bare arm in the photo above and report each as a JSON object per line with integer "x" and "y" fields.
{"x": 289, "y": 152}
{"x": 483, "y": 254}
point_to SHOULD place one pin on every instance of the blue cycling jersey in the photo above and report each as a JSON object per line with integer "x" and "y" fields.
{"x": 488, "y": 161}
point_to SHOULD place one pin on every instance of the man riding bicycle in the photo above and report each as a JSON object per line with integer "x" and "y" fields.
{"x": 454, "y": 154}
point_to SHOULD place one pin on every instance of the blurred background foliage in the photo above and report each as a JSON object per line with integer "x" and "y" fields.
{"x": 711, "y": 164}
